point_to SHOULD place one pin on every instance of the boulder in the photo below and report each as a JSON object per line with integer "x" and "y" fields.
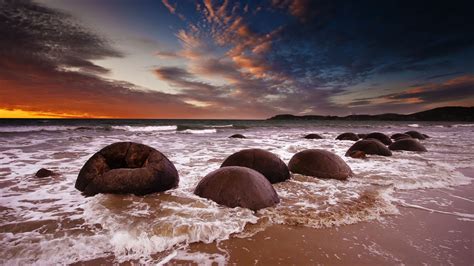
{"x": 127, "y": 167}
{"x": 426, "y": 136}
{"x": 313, "y": 136}
{"x": 45, "y": 173}
{"x": 379, "y": 136}
{"x": 361, "y": 135}
{"x": 237, "y": 136}
{"x": 264, "y": 162}
{"x": 320, "y": 163}
{"x": 415, "y": 134}
{"x": 357, "y": 155}
{"x": 407, "y": 145}
{"x": 370, "y": 146}
{"x": 399, "y": 136}
{"x": 235, "y": 186}
{"x": 348, "y": 136}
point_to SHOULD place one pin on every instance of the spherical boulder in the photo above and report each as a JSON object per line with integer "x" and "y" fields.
{"x": 236, "y": 186}
{"x": 237, "y": 136}
{"x": 321, "y": 164}
{"x": 264, "y": 162}
{"x": 379, "y": 136}
{"x": 415, "y": 134}
{"x": 348, "y": 136}
{"x": 313, "y": 136}
{"x": 370, "y": 146}
{"x": 407, "y": 145}
{"x": 127, "y": 167}
{"x": 399, "y": 136}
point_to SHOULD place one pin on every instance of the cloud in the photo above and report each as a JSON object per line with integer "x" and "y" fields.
{"x": 46, "y": 67}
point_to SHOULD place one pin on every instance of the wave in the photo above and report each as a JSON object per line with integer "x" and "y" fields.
{"x": 414, "y": 125}
{"x": 145, "y": 128}
{"x": 199, "y": 131}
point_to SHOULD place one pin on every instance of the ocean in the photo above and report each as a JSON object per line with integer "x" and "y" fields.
{"x": 48, "y": 221}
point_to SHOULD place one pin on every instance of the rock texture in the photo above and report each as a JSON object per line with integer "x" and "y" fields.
{"x": 407, "y": 145}
{"x": 236, "y": 186}
{"x": 264, "y": 162}
{"x": 127, "y": 167}
{"x": 379, "y": 136}
{"x": 320, "y": 163}
{"x": 370, "y": 146}
{"x": 357, "y": 154}
{"x": 348, "y": 136}
{"x": 415, "y": 134}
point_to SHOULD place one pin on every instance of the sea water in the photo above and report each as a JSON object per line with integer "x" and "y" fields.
{"x": 47, "y": 221}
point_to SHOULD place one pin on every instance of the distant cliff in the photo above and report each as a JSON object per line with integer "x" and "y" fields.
{"x": 451, "y": 113}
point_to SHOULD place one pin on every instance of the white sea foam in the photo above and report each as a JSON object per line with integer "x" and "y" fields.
{"x": 199, "y": 131}
{"x": 145, "y": 128}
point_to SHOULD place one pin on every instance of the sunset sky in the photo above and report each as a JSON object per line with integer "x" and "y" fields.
{"x": 233, "y": 59}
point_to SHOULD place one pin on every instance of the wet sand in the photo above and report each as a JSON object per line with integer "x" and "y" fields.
{"x": 415, "y": 236}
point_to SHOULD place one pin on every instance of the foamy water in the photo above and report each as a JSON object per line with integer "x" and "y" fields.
{"x": 47, "y": 221}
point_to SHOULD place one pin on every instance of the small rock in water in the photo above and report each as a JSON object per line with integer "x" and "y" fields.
{"x": 415, "y": 134}
{"x": 237, "y": 136}
{"x": 45, "y": 173}
{"x": 348, "y": 136}
{"x": 380, "y": 137}
{"x": 313, "y": 136}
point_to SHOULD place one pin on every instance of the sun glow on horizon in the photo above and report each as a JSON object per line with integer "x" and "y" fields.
{"x": 18, "y": 113}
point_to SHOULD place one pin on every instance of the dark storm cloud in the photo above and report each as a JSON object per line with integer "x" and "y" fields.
{"x": 355, "y": 40}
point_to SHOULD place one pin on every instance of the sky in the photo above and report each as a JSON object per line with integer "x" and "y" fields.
{"x": 233, "y": 59}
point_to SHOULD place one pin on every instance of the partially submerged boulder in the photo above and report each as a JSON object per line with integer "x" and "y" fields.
{"x": 379, "y": 136}
{"x": 127, "y": 167}
{"x": 313, "y": 136}
{"x": 362, "y": 135}
{"x": 415, "y": 134}
{"x": 43, "y": 172}
{"x": 235, "y": 186}
{"x": 321, "y": 164}
{"x": 264, "y": 162}
{"x": 237, "y": 136}
{"x": 407, "y": 145}
{"x": 370, "y": 146}
{"x": 348, "y": 136}
{"x": 397, "y": 136}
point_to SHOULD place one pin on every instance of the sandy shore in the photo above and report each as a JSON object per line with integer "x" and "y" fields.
{"x": 416, "y": 236}
{"x": 420, "y": 234}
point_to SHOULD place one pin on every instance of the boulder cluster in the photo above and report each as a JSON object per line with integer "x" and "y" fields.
{"x": 377, "y": 143}
{"x": 245, "y": 179}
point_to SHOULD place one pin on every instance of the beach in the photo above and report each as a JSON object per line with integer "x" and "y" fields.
{"x": 409, "y": 208}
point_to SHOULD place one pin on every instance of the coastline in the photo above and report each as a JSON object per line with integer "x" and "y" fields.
{"x": 414, "y": 236}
